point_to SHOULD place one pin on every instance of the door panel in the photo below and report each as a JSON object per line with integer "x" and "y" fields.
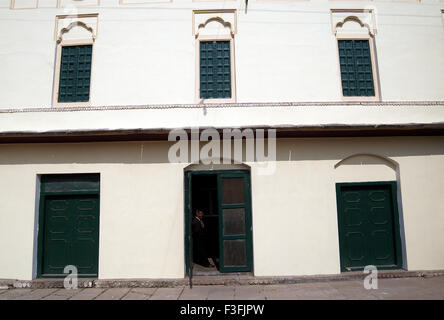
{"x": 235, "y": 222}
{"x": 232, "y": 190}
{"x": 367, "y": 226}
{"x": 235, "y": 252}
{"x": 71, "y": 229}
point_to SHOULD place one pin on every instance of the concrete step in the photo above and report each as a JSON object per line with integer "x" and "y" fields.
{"x": 211, "y": 279}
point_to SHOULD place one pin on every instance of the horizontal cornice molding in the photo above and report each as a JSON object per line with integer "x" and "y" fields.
{"x": 157, "y": 134}
{"x": 225, "y": 105}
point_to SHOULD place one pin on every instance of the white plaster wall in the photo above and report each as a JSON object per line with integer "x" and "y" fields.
{"x": 295, "y": 228}
{"x": 422, "y": 188}
{"x": 17, "y": 222}
{"x": 285, "y": 51}
{"x": 141, "y": 211}
{"x": 294, "y": 211}
{"x": 142, "y": 229}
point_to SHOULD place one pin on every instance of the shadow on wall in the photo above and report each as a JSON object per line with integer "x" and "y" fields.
{"x": 289, "y": 149}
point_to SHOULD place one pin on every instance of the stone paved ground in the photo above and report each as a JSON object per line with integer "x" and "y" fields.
{"x": 401, "y": 288}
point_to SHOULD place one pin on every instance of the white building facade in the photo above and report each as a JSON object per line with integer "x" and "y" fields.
{"x": 92, "y": 89}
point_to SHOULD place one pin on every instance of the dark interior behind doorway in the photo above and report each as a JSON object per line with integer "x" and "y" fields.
{"x": 204, "y": 197}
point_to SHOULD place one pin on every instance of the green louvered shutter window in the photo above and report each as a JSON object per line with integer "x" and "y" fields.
{"x": 215, "y": 70}
{"x": 356, "y": 68}
{"x": 75, "y": 74}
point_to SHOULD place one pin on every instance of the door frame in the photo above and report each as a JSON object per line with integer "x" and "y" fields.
{"x": 188, "y": 174}
{"x": 41, "y": 221}
{"x": 396, "y": 223}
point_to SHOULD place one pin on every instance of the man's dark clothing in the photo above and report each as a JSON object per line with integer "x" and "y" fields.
{"x": 199, "y": 249}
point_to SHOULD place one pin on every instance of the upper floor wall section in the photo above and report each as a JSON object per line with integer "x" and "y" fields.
{"x": 147, "y": 51}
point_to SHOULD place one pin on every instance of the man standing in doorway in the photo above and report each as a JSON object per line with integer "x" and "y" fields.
{"x": 199, "y": 246}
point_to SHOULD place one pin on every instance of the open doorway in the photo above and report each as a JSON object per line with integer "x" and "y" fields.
{"x": 223, "y": 197}
{"x": 205, "y": 236}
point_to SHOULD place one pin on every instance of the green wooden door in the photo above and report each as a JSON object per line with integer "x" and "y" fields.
{"x": 368, "y": 225}
{"x": 234, "y": 206}
{"x": 69, "y": 225}
{"x": 234, "y": 210}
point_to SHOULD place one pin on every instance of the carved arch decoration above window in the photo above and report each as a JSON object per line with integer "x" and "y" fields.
{"x": 76, "y": 27}
{"x": 223, "y": 21}
{"x": 74, "y": 24}
{"x": 224, "y": 25}
{"x": 364, "y": 21}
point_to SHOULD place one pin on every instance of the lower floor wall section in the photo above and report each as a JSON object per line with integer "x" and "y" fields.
{"x": 325, "y": 206}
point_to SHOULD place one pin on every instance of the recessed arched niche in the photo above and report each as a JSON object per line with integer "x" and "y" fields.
{"x": 365, "y": 167}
